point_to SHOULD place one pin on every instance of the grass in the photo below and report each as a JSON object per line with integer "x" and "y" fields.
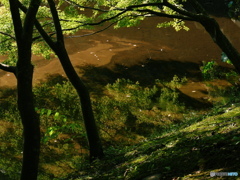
{"x": 146, "y": 129}
{"x": 190, "y": 151}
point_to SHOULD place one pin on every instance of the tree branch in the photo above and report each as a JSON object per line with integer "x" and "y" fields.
{"x": 195, "y": 17}
{"x": 165, "y": 15}
{"x": 198, "y": 7}
{"x": 43, "y": 33}
{"x": 141, "y": 5}
{"x": 85, "y": 7}
{"x": 29, "y": 20}
{"x": 8, "y": 68}
{"x": 101, "y": 30}
{"x": 9, "y": 35}
{"x": 17, "y": 22}
{"x": 56, "y": 21}
{"x": 133, "y": 8}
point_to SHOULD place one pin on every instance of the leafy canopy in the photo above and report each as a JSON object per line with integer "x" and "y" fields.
{"x": 84, "y": 14}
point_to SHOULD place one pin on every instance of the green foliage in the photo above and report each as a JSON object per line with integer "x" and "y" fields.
{"x": 126, "y": 91}
{"x": 56, "y": 124}
{"x": 133, "y": 17}
{"x": 71, "y": 22}
{"x": 9, "y": 110}
{"x": 219, "y": 94}
{"x": 128, "y": 114}
{"x": 129, "y": 106}
{"x": 42, "y": 49}
{"x": 187, "y": 152}
{"x": 211, "y": 70}
{"x": 60, "y": 97}
{"x": 169, "y": 97}
{"x": 58, "y": 105}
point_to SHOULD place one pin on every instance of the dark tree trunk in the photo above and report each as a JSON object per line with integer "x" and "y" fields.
{"x": 24, "y": 74}
{"x": 30, "y": 119}
{"x": 221, "y": 40}
{"x": 212, "y": 27}
{"x": 94, "y": 141}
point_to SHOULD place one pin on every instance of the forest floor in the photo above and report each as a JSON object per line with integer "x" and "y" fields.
{"x": 190, "y": 150}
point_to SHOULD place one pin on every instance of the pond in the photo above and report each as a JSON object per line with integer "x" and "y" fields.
{"x": 169, "y": 51}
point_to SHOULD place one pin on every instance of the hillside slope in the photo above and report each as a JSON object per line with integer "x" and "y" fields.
{"x": 189, "y": 151}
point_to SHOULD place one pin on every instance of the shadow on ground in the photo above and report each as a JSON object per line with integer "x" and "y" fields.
{"x": 145, "y": 73}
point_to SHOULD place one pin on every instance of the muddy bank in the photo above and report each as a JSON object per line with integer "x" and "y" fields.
{"x": 132, "y": 46}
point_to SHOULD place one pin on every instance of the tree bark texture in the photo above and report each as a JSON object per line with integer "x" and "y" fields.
{"x": 24, "y": 74}
{"x": 30, "y": 119}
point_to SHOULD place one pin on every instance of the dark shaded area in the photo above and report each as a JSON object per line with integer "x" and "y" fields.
{"x": 217, "y": 8}
{"x": 54, "y": 79}
{"x": 4, "y": 177}
{"x": 5, "y": 94}
{"x": 146, "y": 74}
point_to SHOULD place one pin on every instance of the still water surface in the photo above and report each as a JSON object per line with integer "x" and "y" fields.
{"x": 132, "y": 46}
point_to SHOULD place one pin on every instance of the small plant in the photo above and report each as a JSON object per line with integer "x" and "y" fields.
{"x": 169, "y": 97}
{"x": 60, "y": 97}
{"x": 126, "y": 91}
{"x": 210, "y": 70}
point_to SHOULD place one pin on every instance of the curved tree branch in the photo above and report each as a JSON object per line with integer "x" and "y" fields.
{"x": 8, "y": 68}
{"x": 101, "y": 30}
{"x": 85, "y": 7}
{"x": 193, "y": 16}
{"x": 43, "y": 33}
{"x": 9, "y": 35}
{"x": 56, "y": 21}
{"x": 17, "y": 23}
{"x": 165, "y": 15}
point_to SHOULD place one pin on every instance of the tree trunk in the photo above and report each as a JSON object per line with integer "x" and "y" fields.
{"x": 221, "y": 40}
{"x": 24, "y": 74}
{"x": 95, "y": 145}
{"x": 30, "y": 121}
{"x": 212, "y": 27}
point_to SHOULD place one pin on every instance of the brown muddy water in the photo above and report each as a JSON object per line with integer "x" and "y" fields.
{"x": 141, "y": 53}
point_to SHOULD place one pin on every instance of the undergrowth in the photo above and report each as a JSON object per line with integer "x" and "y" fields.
{"x": 144, "y": 130}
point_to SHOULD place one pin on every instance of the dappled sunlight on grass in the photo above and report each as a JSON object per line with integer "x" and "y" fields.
{"x": 190, "y": 150}
{"x": 144, "y": 129}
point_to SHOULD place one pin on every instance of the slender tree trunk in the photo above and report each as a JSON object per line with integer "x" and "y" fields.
{"x": 30, "y": 121}
{"x": 94, "y": 141}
